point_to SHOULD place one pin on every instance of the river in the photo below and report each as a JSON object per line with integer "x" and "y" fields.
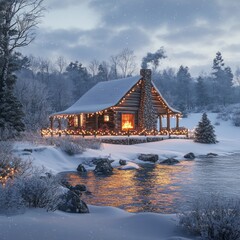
{"x": 161, "y": 188}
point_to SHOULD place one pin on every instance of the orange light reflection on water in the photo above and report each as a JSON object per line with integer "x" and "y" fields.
{"x": 154, "y": 188}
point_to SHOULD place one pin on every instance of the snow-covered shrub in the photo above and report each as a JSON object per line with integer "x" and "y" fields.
{"x": 10, "y": 165}
{"x": 92, "y": 143}
{"x": 70, "y": 147}
{"x": 40, "y": 191}
{"x": 74, "y": 145}
{"x": 236, "y": 118}
{"x": 217, "y": 123}
{"x": 11, "y": 200}
{"x": 213, "y": 218}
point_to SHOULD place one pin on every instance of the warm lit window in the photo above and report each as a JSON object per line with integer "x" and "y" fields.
{"x": 106, "y": 118}
{"x": 81, "y": 120}
{"x": 75, "y": 121}
{"x": 127, "y": 121}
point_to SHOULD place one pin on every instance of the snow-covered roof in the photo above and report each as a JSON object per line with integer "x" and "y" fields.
{"x": 103, "y": 95}
{"x": 172, "y": 109}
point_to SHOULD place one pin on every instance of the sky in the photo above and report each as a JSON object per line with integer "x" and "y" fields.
{"x": 191, "y": 31}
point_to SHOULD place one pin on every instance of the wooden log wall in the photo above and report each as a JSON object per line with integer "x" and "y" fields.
{"x": 158, "y": 103}
{"x": 96, "y": 121}
{"x": 129, "y": 104}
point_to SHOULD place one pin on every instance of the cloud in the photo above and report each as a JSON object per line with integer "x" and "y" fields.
{"x": 153, "y": 13}
{"x": 83, "y": 45}
{"x": 190, "y": 31}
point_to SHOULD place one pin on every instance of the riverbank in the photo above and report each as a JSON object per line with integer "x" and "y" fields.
{"x": 56, "y": 161}
{"x": 103, "y": 223}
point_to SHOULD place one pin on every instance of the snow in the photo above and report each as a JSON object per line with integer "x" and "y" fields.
{"x": 103, "y": 223}
{"x": 108, "y": 222}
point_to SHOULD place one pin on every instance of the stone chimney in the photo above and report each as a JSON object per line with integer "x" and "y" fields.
{"x": 146, "y": 74}
{"x": 147, "y": 115}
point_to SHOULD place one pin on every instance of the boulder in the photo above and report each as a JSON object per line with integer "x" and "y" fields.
{"x": 103, "y": 166}
{"x": 190, "y": 156}
{"x": 148, "y": 157}
{"x": 72, "y": 203}
{"x": 122, "y": 162}
{"x": 170, "y": 161}
{"x": 81, "y": 168}
{"x": 81, "y": 187}
{"x": 95, "y": 161}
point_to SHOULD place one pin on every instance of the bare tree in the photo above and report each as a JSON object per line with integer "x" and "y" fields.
{"x": 34, "y": 97}
{"x": 93, "y": 67}
{"x": 19, "y": 19}
{"x": 124, "y": 63}
{"x": 127, "y": 62}
{"x": 61, "y": 64}
{"x": 114, "y": 66}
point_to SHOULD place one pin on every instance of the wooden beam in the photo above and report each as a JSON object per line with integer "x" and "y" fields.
{"x": 160, "y": 122}
{"x": 51, "y": 123}
{"x": 168, "y": 122}
{"x": 96, "y": 123}
{"x": 177, "y": 121}
{"x": 59, "y": 124}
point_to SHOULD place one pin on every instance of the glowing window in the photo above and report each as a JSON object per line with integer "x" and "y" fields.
{"x": 127, "y": 121}
{"x": 106, "y": 118}
{"x": 75, "y": 121}
{"x": 81, "y": 120}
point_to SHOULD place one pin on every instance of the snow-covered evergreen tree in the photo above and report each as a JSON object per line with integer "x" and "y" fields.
{"x": 204, "y": 133}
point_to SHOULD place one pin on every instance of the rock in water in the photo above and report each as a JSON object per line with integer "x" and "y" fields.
{"x": 81, "y": 168}
{"x": 189, "y": 156}
{"x": 122, "y": 162}
{"x": 72, "y": 203}
{"x": 80, "y": 187}
{"x": 170, "y": 161}
{"x": 103, "y": 166}
{"x": 148, "y": 157}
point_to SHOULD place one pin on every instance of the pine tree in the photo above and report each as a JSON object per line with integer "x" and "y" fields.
{"x": 204, "y": 133}
{"x": 201, "y": 93}
{"x": 183, "y": 88}
{"x": 222, "y": 81}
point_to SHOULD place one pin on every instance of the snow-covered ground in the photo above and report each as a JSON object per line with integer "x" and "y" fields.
{"x": 56, "y": 161}
{"x": 105, "y": 223}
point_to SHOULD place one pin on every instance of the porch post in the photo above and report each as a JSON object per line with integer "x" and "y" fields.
{"x": 96, "y": 121}
{"x": 168, "y": 121}
{"x": 160, "y": 122}
{"x": 51, "y": 123}
{"x": 59, "y": 124}
{"x": 177, "y": 122}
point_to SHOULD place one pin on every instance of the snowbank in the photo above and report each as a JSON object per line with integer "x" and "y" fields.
{"x": 103, "y": 223}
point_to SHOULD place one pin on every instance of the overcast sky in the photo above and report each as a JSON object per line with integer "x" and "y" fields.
{"x": 191, "y": 31}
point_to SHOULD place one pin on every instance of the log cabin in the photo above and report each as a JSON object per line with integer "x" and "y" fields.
{"x": 131, "y": 105}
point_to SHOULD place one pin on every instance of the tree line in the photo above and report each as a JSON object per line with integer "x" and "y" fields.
{"x": 31, "y": 87}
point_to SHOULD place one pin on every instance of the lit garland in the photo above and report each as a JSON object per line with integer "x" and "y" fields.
{"x": 173, "y": 131}
{"x": 107, "y": 132}
{"x": 6, "y": 172}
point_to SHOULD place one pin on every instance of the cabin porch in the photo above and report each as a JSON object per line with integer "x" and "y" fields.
{"x": 110, "y": 122}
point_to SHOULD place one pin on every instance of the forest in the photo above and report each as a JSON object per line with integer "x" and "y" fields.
{"x": 44, "y": 86}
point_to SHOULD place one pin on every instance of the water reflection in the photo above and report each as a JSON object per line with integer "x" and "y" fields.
{"x": 161, "y": 188}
